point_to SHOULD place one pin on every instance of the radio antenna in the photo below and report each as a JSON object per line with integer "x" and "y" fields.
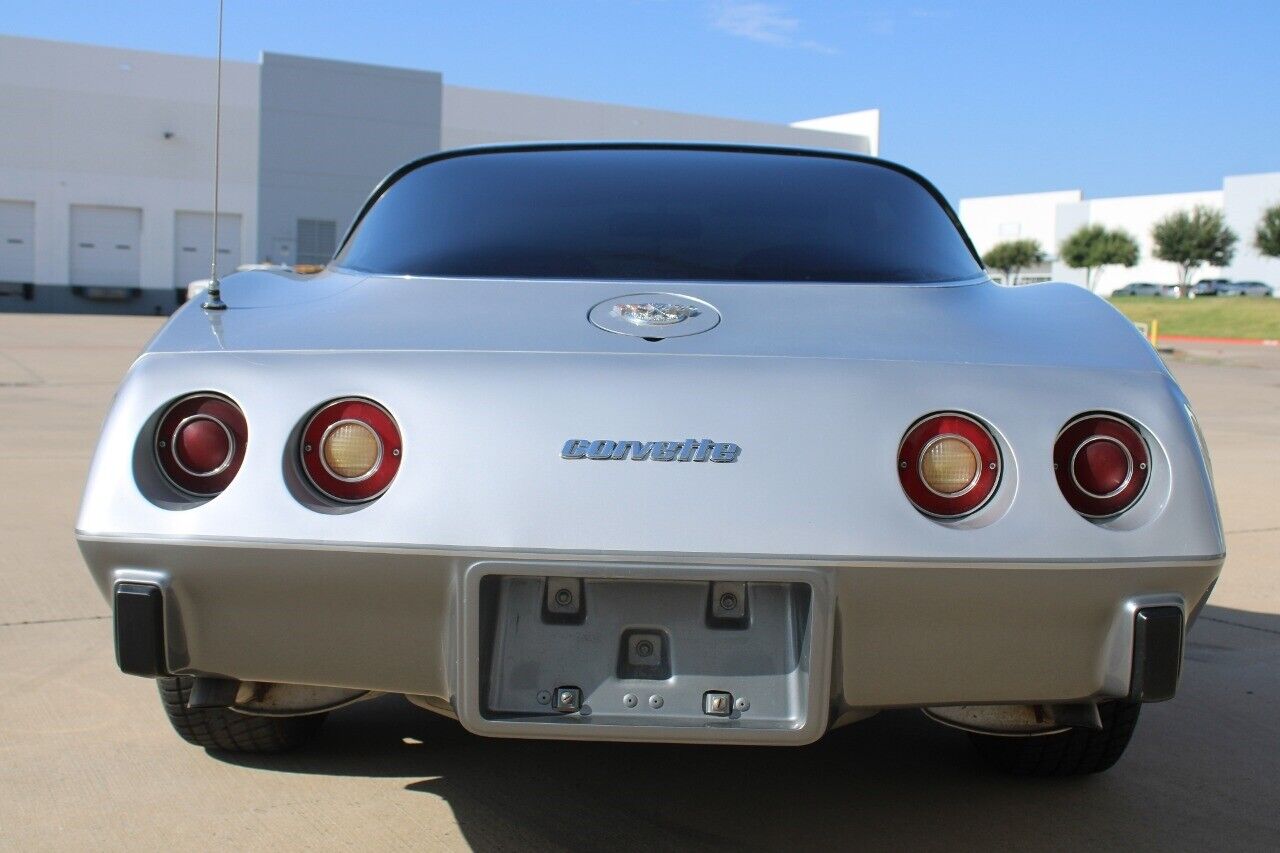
{"x": 213, "y": 296}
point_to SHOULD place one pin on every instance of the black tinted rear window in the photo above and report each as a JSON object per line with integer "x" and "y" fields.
{"x": 664, "y": 214}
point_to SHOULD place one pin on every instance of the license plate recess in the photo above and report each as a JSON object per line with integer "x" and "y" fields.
{"x": 739, "y": 657}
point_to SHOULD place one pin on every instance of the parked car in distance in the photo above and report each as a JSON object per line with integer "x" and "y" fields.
{"x": 1210, "y": 286}
{"x": 1245, "y": 288}
{"x": 1146, "y": 288}
{"x": 200, "y": 285}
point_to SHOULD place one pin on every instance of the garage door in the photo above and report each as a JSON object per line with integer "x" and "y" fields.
{"x": 104, "y": 246}
{"x": 193, "y": 234}
{"x": 17, "y": 241}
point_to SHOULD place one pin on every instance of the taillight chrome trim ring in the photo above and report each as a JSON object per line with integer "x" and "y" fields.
{"x": 226, "y": 461}
{"x": 1128, "y": 474}
{"x": 324, "y": 436}
{"x": 977, "y": 471}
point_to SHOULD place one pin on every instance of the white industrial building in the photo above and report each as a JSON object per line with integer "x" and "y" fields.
{"x": 1051, "y": 217}
{"x": 106, "y": 159}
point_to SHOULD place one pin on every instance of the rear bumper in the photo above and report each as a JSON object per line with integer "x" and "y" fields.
{"x": 884, "y": 635}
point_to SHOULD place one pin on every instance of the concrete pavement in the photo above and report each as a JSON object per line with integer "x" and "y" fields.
{"x": 88, "y": 761}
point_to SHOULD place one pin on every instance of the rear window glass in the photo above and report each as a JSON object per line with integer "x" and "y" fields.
{"x": 659, "y": 214}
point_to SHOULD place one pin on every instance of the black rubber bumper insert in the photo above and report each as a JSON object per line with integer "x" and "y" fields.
{"x": 139, "y": 622}
{"x": 1157, "y": 654}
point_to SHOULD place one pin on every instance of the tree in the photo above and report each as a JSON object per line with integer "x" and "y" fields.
{"x": 1092, "y": 247}
{"x": 1190, "y": 239}
{"x": 1011, "y": 256}
{"x": 1267, "y": 238}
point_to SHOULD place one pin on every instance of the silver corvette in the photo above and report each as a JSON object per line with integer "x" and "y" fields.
{"x": 655, "y": 442}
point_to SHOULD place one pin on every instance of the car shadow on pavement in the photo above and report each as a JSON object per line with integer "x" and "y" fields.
{"x": 896, "y": 780}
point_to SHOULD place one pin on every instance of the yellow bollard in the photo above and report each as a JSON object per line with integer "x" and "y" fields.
{"x": 1155, "y": 332}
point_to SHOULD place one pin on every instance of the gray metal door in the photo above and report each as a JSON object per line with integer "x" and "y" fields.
{"x": 17, "y": 242}
{"x": 104, "y": 246}
{"x": 192, "y": 236}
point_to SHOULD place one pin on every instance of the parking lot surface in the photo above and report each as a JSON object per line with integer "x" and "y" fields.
{"x": 88, "y": 761}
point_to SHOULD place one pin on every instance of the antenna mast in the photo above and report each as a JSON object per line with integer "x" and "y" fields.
{"x": 213, "y": 296}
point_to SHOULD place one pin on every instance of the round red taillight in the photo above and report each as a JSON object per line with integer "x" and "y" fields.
{"x": 949, "y": 465}
{"x": 1102, "y": 463}
{"x": 350, "y": 450}
{"x": 200, "y": 443}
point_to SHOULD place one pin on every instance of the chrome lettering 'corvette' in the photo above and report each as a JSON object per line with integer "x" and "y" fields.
{"x": 689, "y": 450}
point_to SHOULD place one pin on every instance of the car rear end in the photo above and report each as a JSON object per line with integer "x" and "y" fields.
{"x": 1024, "y": 598}
{"x": 544, "y": 506}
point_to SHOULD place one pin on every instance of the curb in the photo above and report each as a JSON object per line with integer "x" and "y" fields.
{"x": 1194, "y": 339}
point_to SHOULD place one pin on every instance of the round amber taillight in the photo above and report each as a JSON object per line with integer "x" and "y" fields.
{"x": 350, "y": 450}
{"x": 948, "y": 464}
{"x": 1102, "y": 464}
{"x": 200, "y": 442}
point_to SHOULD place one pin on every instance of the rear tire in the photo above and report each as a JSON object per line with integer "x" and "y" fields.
{"x": 1071, "y": 753}
{"x": 222, "y": 728}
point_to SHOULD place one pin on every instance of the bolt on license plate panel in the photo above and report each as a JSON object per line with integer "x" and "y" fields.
{"x": 691, "y": 653}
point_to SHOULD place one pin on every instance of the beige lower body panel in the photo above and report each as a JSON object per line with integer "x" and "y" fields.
{"x": 901, "y": 635}
{"x": 944, "y": 635}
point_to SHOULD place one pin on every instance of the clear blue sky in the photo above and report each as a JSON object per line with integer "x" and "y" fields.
{"x": 1116, "y": 98}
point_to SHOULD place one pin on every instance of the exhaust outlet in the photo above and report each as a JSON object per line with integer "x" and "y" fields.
{"x": 1018, "y": 720}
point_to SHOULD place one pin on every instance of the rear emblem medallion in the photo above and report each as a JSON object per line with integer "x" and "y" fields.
{"x": 654, "y": 316}
{"x": 653, "y": 313}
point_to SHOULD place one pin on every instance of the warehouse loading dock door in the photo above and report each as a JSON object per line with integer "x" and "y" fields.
{"x": 105, "y": 250}
{"x": 193, "y": 235}
{"x": 17, "y": 246}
